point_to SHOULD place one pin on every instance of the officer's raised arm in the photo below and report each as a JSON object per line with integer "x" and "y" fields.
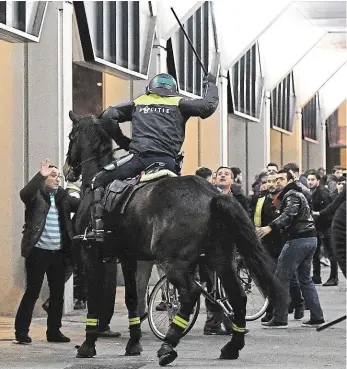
{"x": 204, "y": 107}
{"x": 121, "y": 113}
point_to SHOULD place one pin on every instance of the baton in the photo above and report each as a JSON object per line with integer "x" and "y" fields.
{"x": 190, "y": 42}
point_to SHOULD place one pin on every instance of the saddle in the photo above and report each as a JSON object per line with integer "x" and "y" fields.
{"x": 119, "y": 193}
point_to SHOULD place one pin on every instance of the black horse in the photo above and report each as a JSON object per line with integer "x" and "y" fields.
{"x": 173, "y": 221}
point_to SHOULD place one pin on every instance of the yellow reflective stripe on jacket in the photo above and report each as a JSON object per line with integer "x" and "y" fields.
{"x": 153, "y": 99}
{"x": 133, "y": 321}
{"x": 257, "y": 213}
{"x": 238, "y": 329}
{"x": 180, "y": 322}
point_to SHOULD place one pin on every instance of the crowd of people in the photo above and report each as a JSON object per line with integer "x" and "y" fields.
{"x": 289, "y": 213}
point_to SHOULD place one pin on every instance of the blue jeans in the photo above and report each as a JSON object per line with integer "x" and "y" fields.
{"x": 296, "y": 256}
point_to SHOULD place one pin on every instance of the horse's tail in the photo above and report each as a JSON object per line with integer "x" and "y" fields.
{"x": 228, "y": 216}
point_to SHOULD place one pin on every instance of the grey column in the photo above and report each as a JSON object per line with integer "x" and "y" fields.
{"x": 50, "y": 95}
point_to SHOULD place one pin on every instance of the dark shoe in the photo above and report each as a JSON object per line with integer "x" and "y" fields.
{"x": 79, "y": 305}
{"x": 216, "y": 331}
{"x": 312, "y": 323}
{"x": 161, "y": 307}
{"x": 316, "y": 280}
{"x": 272, "y": 324}
{"x": 56, "y": 337}
{"x": 299, "y": 313}
{"x": 109, "y": 334}
{"x": 45, "y": 305}
{"x": 266, "y": 318}
{"x": 331, "y": 282}
{"x": 22, "y": 339}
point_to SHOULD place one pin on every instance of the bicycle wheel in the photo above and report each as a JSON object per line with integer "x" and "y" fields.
{"x": 256, "y": 302}
{"x": 159, "y": 321}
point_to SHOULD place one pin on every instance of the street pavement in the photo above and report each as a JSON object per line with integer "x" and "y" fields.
{"x": 294, "y": 348}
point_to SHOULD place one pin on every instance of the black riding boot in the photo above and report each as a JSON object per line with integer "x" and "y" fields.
{"x": 97, "y": 232}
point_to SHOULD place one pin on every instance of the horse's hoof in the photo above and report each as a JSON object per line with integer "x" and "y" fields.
{"x": 229, "y": 355}
{"x": 86, "y": 351}
{"x": 230, "y": 351}
{"x": 133, "y": 349}
{"x": 166, "y": 354}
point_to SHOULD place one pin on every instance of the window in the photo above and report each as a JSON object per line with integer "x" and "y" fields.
{"x": 310, "y": 119}
{"x": 181, "y": 61}
{"x": 21, "y": 21}
{"x": 336, "y": 133}
{"x": 247, "y": 89}
{"x": 111, "y": 38}
{"x": 87, "y": 90}
{"x": 282, "y": 108}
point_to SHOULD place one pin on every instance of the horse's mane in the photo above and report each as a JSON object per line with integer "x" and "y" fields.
{"x": 91, "y": 126}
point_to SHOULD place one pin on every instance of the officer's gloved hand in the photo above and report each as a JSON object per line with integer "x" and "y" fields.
{"x": 209, "y": 78}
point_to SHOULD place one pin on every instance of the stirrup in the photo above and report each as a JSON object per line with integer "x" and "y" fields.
{"x": 92, "y": 235}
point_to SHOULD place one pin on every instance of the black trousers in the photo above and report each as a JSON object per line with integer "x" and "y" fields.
{"x": 101, "y": 281}
{"x": 37, "y": 264}
{"x": 133, "y": 168}
{"x": 325, "y": 238}
{"x": 108, "y": 295}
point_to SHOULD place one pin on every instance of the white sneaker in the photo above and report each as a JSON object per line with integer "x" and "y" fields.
{"x": 325, "y": 261}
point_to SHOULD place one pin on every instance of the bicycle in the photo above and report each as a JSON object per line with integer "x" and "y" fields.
{"x": 159, "y": 321}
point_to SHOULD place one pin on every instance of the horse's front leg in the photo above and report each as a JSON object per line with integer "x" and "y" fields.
{"x": 133, "y": 346}
{"x": 189, "y": 293}
{"x": 94, "y": 279}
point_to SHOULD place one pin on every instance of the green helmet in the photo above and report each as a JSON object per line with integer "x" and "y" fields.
{"x": 162, "y": 84}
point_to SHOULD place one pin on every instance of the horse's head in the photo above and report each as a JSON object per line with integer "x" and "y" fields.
{"x": 88, "y": 143}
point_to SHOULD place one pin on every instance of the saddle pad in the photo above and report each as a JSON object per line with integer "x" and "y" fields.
{"x": 160, "y": 174}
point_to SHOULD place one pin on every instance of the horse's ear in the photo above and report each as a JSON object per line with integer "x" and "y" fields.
{"x": 73, "y": 116}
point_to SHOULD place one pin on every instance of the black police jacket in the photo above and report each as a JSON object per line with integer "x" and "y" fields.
{"x": 158, "y": 123}
{"x": 37, "y": 204}
{"x": 295, "y": 219}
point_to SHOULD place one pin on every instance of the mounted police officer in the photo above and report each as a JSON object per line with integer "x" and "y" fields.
{"x": 158, "y": 130}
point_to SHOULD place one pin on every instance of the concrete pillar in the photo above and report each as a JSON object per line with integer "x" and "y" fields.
{"x": 258, "y": 144}
{"x": 292, "y": 145}
{"x": 223, "y": 117}
{"x": 249, "y": 143}
{"x": 50, "y": 95}
{"x": 315, "y": 153}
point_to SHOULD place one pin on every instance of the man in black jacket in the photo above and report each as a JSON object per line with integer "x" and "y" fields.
{"x": 296, "y": 221}
{"x": 158, "y": 121}
{"x": 263, "y": 213}
{"x": 46, "y": 245}
{"x": 320, "y": 200}
{"x": 335, "y": 215}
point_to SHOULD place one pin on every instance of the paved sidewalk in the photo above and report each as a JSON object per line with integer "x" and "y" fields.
{"x": 294, "y": 348}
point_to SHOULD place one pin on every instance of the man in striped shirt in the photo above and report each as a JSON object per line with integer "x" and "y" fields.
{"x": 46, "y": 245}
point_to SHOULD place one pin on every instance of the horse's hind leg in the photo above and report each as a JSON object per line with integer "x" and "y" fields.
{"x": 129, "y": 272}
{"x": 94, "y": 276}
{"x": 238, "y": 300}
{"x": 179, "y": 275}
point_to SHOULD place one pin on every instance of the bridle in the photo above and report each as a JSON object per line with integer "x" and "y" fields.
{"x": 70, "y": 171}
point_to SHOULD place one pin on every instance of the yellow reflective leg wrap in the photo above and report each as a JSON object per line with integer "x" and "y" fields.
{"x": 180, "y": 322}
{"x": 92, "y": 322}
{"x": 134, "y": 321}
{"x": 238, "y": 329}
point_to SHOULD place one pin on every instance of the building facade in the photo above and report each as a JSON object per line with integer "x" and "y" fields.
{"x": 56, "y": 56}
